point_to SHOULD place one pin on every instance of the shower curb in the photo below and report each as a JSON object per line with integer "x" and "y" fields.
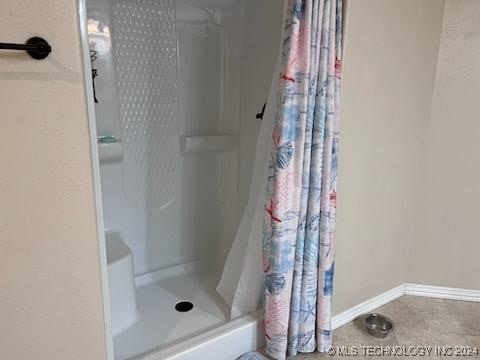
{"x": 225, "y": 342}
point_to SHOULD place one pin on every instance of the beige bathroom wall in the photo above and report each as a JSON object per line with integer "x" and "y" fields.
{"x": 446, "y": 250}
{"x": 50, "y": 293}
{"x": 389, "y": 68}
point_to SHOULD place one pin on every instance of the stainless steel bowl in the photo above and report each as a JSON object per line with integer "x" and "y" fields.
{"x": 377, "y": 325}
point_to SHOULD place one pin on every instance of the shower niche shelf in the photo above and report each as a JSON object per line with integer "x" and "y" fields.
{"x": 217, "y": 143}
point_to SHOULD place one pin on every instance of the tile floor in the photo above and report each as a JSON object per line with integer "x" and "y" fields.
{"x": 418, "y": 321}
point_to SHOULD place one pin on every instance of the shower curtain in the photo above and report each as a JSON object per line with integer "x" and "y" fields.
{"x": 290, "y": 215}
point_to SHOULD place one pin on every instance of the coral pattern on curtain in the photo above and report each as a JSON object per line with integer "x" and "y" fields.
{"x": 299, "y": 218}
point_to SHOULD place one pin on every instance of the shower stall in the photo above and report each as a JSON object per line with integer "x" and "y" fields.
{"x": 177, "y": 86}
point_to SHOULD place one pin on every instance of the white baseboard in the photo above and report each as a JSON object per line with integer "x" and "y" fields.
{"x": 441, "y": 292}
{"x": 367, "y": 306}
{"x": 438, "y": 292}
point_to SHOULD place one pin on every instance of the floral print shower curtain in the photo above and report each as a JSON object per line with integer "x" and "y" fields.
{"x": 299, "y": 220}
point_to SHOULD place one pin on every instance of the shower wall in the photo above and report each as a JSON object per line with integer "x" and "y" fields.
{"x": 263, "y": 21}
{"x": 179, "y": 84}
{"x": 172, "y": 192}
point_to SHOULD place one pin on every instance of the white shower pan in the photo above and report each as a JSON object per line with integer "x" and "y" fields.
{"x": 144, "y": 315}
{"x": 160, "y": 323}
{"x": 147, "y": 325}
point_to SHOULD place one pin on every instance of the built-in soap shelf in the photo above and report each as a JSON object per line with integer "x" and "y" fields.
{"x": 207, "y": 143}
{"x": 110, "y": 149}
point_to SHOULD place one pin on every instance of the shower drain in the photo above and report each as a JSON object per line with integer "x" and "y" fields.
{"x": 183, "y": 306}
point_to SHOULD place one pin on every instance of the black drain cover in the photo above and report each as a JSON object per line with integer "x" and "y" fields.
{"x": 183, "y": 306}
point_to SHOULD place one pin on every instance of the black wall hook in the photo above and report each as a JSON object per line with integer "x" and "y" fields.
{"x": 260, "y": 114}
{"x": 37, "y": 47}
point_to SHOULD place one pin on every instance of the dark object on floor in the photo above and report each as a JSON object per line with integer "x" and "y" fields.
{"x": 184, "y": 306}
{"x": 378, "y": 325}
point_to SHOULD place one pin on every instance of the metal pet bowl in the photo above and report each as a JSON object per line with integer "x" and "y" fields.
{"x": 378, "y": 325}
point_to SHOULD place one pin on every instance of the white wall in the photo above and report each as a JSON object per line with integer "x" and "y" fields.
{"x": 389, "y": 68}
{"x": 446, "y": 249}
{"x": 50, "y": 293}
